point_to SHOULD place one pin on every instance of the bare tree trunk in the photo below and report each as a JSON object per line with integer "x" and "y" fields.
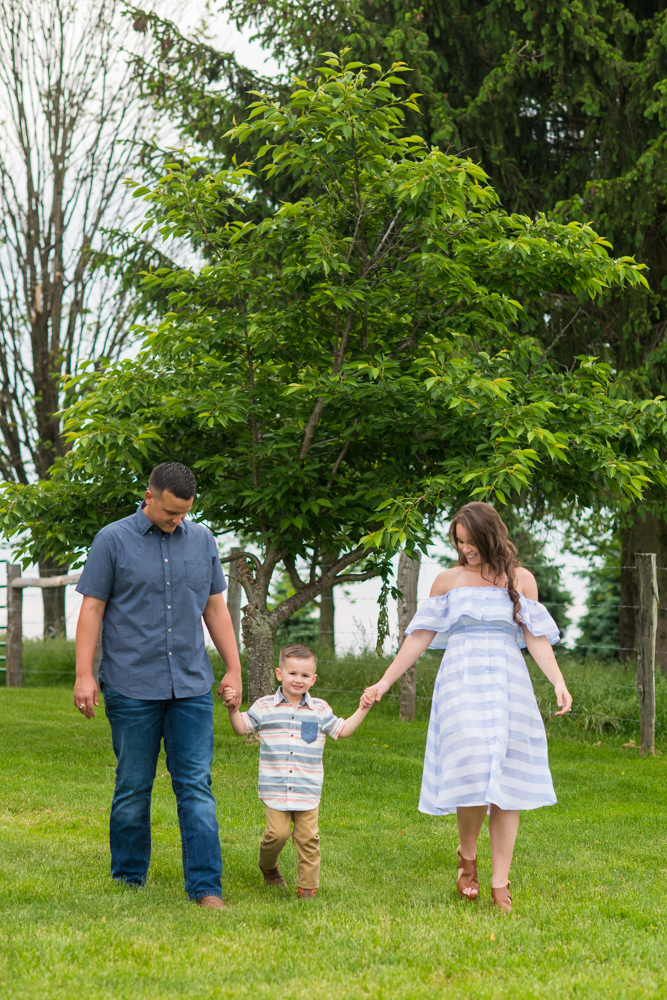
{"x": 408, "y": 578}
{"x": 327, "y": 635}
{"x": 327, "y": 630}
{"x": 647, "y": 534}
{"x": 55, "y": 621}
{"x": 259, "y": 632}
{"x": 234, "y": 592}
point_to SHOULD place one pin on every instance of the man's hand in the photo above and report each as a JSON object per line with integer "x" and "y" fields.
{"x": 86, "y": 696}
{"x": 229, "y": 697}
{"x": 231, "y": 691}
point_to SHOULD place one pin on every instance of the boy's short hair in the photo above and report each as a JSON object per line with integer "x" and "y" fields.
{"x": 298, "y": 652}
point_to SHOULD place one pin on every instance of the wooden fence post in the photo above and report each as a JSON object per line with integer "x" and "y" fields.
{"x": 647, "y": 579}
{"x": 407, "y": 580}
{"x": 14, "y": 662}
{"x": 234, "y": 592}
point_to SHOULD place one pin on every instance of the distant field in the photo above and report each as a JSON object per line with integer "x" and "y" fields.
{"x": 589, "y": 878}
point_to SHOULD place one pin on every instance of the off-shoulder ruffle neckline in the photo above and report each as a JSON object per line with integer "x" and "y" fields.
{"x": 441, "y": 613}
{"x": 490, "y": 586}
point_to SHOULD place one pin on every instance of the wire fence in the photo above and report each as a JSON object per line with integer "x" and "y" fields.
{"x": 428, "y": 669}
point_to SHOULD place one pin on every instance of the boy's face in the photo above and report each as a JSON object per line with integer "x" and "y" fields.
{"x": 296, "y": 677}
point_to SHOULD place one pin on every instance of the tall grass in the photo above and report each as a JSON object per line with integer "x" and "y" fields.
{"x": 604, "y": 691}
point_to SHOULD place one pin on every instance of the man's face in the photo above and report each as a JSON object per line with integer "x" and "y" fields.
{"x": 165, "y": 510}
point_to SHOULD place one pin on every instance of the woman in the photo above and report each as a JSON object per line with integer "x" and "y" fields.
{"x": 486, "y": 748}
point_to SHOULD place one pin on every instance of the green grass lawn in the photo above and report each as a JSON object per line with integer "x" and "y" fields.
{"x": 589, "y": 877}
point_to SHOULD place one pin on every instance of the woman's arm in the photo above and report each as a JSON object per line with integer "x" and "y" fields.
{"x": 540, "y": 649}
{"x": 412, "y": 648}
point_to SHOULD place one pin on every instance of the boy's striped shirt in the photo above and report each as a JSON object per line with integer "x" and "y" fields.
{"x": 292, "y": 739}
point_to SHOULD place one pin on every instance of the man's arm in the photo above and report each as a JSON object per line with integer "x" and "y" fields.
{"x": 219, "y": 624}
{"x": 86, "y": 694}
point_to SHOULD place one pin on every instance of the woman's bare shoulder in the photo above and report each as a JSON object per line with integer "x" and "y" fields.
{"x": 525, "y": 583}
{"x": 445, "y": 581}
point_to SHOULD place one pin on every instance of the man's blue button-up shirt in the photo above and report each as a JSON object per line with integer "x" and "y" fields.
{"x": 156, "y": 586}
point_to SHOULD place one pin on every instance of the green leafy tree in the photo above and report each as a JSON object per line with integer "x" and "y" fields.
{"x": 565, "y": 107}
{"x": 325, "y": 369}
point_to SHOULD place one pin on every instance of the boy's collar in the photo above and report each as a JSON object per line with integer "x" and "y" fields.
{"x": 305, "y": 699}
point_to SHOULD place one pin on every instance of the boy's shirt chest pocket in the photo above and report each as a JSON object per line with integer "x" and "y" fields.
{"x": 309, "y": 731}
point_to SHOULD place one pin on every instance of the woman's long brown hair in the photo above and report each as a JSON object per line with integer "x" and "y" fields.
{"x": 488, "y": 534}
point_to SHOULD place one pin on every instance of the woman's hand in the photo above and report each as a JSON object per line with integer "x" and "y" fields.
{"x": 563, "y": 697}
{"x": 373, "y": 694}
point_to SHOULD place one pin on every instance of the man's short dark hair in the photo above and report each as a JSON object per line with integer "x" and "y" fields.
{"x": 172, "y": 476}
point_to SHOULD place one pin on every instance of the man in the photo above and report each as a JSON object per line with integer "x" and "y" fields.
{"x": 150, "y": 578}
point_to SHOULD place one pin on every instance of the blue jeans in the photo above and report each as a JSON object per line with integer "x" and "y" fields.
{"x": 137, "y": 729}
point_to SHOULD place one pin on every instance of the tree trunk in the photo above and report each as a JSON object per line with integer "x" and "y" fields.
{"x": 259, "y": 631}
{"x": 408, "y": 578}
{"x": 234, "y": 592}
{"x": 327, "y": 629}
{"x": 327, "y": 635}
{"x": 55, "y": 622}
{"x": 642, "y": 535}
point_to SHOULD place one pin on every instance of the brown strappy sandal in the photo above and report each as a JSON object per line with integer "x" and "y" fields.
{"x": 468, "y": 883}
{"x": 502, "y": 898}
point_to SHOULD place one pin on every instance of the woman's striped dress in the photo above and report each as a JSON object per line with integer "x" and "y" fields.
{"x": 486, "y": 741}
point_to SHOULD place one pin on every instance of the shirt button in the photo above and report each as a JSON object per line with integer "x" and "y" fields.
{"x": 168, "y": 630}
{"x": 167, "y": 582}
{"x": 169, "y": 605}
{"x": 170, "y": 652}
{"x": 291, "y": 751}
{"x": 166, "y": 560}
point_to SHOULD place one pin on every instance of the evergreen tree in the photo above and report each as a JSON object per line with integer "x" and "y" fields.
{"x": 599, "y": 626}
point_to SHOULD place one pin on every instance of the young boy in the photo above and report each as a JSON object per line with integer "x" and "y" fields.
{"x": 292, "y": 729}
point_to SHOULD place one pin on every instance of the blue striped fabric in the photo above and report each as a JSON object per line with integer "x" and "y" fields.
{"x": 486, "y": 741}
{"x": 292, "y": 739}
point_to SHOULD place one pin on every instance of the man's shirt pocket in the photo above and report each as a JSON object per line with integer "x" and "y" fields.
{"x": 198, "y": 575}
{"x": 309, "y": 731}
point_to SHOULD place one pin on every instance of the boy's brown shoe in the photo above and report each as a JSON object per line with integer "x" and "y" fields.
{"x": 307, "y": 893}
{"x": 272, "y": 876}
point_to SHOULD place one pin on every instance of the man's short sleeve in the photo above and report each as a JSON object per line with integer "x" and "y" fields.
{"x": 218, "y": 582}
{"x": 331, "y": 724}
{"x": 97, "y": 579}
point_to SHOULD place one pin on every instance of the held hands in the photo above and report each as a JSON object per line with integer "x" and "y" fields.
{"x": 372, "y": 694}
{"x": 231, "y": 697}
{"x": 563, "y": 697}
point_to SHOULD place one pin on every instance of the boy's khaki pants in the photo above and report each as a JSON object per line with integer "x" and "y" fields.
{"x": 306, "y": 839}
